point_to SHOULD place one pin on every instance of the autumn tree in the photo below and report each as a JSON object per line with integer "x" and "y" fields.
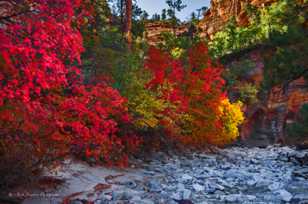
{"x": 196, "y": 109}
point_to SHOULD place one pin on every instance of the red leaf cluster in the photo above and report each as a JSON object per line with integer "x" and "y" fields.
{"x": 42, "y": 98}
{"x": 194, "y": 87}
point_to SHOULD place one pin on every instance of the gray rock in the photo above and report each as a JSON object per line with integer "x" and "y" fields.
{"x": 285, "y": 195}
{"x": 234, "y": 175}
{"x": 232, "y": 198}
{"x": 218, "y": 187}
{"x": 301, "y": 197}
{"x": 186, "y": 194}
{"x": 154, "y": 186}
{"x": 275, "y": 186}
{"x": 142, "y": 201}
{"x": 106, "y": 197}
{"x": 209, "y": 189}
{"x": 120, "y": 195}
{"x": 240, "y": 198}
{"x": 130, "y": 184}
{"x": 303, "y": 172}
{"x": 176, "y": 196}
{"x": 252, "y": 182}
{"x": 180, "y": 187}
{"x": 197, "y": 187}
{"x": 186, "y": 178}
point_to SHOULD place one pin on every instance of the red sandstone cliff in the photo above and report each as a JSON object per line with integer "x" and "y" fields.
{"x": 154, "y": 31}
{"x": 221, "y": 12}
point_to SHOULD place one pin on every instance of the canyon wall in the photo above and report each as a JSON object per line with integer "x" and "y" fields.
{"x": 273, "y": 112}
{"x": 215, "y": 18}
{"x": 221, "y": 11}
{"x": 154, "y": 31}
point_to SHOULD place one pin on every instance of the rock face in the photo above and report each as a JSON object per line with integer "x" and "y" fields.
{"x": 271, "y": 114}
{"x": 284, "y": 103}
{"x": 235, "y": 175}
{"x": 154, "y": 31}
{"x": 221, "y": 11}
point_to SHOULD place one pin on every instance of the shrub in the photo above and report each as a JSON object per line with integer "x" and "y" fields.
{"x": 248, "y": 93}
{"x": 42, "y": 96}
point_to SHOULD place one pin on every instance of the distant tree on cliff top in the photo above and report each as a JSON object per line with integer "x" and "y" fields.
{"x": 156, "y": 17}
{"x": 164, "y": 14}
{"x": 174, "y": 6}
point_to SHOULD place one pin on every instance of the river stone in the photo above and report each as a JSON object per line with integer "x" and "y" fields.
{"x": 176, "y": 196}
{"x": 186, "y": 194}
{"x": 121, "y": 195}
{"x": 285, "y": 195}
{"x": 236, "y": 175}
{"x": 154, "y": 186}
{"x": 251, "y": 182}
{"x": 274, "y": 186}
{"x": 303, "y": 172}
{"x": 197, "y": 187}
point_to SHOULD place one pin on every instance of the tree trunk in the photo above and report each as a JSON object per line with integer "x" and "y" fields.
{"x": 128, "y": 23}
{"x": 121, "y": 2}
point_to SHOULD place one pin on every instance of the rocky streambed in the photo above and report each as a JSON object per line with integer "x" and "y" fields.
{"x": 233, "y": 175}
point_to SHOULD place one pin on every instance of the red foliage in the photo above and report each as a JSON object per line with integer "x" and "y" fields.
{"x": 194, "y": 88}
{"x": 41, "y": 93}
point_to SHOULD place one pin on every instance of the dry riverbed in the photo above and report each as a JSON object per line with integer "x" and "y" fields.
{"x": 233, "y": 175}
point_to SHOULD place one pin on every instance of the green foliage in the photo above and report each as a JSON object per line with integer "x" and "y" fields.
{"x": 164, "y": 14}
{"x": 156, "y": 17}
{"x": 176, "y": 5}
{"x": 237, "y": 71}
{"x": 248, "y": 93}
{"x": 104, "y": 50}
{"x": 300, "y": 127}
{"x": 130, "y": 78}
{"x": 286, "y": 64}
{"x": 277, "y": 23}
{"x": 172, "y": 43}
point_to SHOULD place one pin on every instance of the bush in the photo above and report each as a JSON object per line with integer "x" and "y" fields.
{"x": 42, "y": 96}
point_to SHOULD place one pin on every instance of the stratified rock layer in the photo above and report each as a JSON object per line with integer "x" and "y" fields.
{"x": 154, "y": 31}
{"x": 221, "y": 11}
